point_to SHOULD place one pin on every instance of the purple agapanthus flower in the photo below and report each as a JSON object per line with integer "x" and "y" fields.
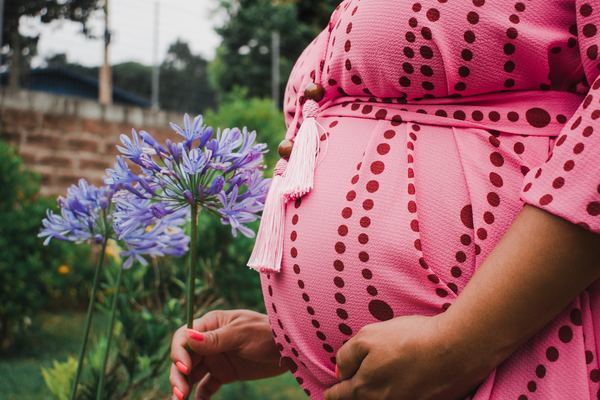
{"x": 132, "y": 147}
{"x": 83, "y": 215}
{"x": 219, "y": 173}
{"x": 192, "y": 131}
{"x": 238, "y": 212}
{"x": 96, "y": 214}
{"x": 195, "y": 161}
{"x": 148, "y": 229}
{"x": 120, "y": 176}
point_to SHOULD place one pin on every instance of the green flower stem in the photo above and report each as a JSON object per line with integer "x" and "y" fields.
{"x": 193, "y": 261}
{"x": 88, "y": 319}
{"x": 109, "y": 334}
{"x": 191, "y": 281}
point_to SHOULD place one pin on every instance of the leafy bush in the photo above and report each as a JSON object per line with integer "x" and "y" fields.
{"x": 32, "y": 275}
{"x": 151, "y": 301}
{"x": 238, "y": 285}
{"x": 237, "y": 109}
{"x": 58, "y": 378}
{"x": 149, "y": 309}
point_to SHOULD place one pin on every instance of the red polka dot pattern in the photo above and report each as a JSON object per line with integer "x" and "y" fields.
{"x": 441, "y": 289}
{"x": 567, "y": 184}
{"x": 378, "y": 308}
{"x": 290, "y": 356}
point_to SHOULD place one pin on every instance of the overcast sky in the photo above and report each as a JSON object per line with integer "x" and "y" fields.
{"x": 132, "y": 25}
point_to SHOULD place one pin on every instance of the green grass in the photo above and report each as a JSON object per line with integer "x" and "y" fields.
{"x": 56, "y": 336}
{"x": 280, "y": 388}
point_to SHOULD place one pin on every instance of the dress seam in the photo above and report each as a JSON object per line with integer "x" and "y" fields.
{"x": 469, "y": 193}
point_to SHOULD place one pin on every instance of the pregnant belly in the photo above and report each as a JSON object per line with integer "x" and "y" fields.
{"x": 400, "y": 217}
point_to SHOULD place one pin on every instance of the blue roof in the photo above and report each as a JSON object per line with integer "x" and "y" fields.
{"x": 68, "y": 82}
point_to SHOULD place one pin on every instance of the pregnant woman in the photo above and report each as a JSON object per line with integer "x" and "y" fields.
{"x": 448, "y": 243}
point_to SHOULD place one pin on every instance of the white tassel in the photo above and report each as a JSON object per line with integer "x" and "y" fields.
{"x": 299, "y": 175}
{"x": 268, "y": 247}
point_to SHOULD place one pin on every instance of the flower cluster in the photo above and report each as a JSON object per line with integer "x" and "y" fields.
{"x": 145, "y": 210}
{"x": 83, "y": 215}
{"x": 220, "y": 173}
{"x": 149, "y": 233}
{"x": 92, "y": 214}
{"x": 153, "y": 191}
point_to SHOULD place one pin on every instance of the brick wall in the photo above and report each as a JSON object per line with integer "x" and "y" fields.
{"x": 64, "y": 138}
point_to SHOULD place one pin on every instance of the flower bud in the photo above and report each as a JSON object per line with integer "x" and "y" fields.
{"x": 217, "y": 185}
{"x": 189, "y": 196}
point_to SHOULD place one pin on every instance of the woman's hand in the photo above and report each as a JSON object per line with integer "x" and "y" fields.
{"x": 408, "y": 358}
{"x": 226, "y": 346}
{"x": 541, "y": 264}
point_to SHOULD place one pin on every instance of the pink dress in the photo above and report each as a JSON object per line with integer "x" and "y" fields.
{"x": 441, "y": 118}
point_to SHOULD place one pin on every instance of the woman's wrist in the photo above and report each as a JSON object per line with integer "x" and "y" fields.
{"x": 519, "y": 288}
{"x": 481, "y": 348}
{"x": 462, "y": 360}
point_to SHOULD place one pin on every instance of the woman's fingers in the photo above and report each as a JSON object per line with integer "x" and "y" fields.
{"x": 345, "y": 390}
{"x": 348, "y": 361}
{"x": 199, "y": 373}
{"x": 350, "y": 356}
{"x": 179, "y": 354}
{"x": 212, "y": 342}
{"x": 207, "y": 387}
{"x": 179, "y": 343}
{"x": 178, "y": 382}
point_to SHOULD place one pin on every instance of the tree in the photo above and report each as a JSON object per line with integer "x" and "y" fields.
{"x": 130, "y": 76}
{"x": 244, "y": 56}
{"x": 315, "y": 13}
{"x": 22, "y": 48}
{"x": 133, "y": 77}
{"x": 184, "y": 83}
{"x": 57, "y": 60}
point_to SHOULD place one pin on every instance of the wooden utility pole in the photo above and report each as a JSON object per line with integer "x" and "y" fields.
{"x": 156, "y": 62}
{"x": 1, "y": 25}
{"x": 105, "y": 90}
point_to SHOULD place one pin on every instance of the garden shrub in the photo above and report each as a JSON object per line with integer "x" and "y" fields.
{"x": 236, "y": 283}
{"x": 152, "y": 298}
{"x": 260, "y": 115}
{"x": 150, "y": 308}
{"x": 58, "y": 378}
{"x": 33, "y": 276}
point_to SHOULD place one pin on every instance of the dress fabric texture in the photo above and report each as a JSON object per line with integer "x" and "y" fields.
{"x": 441, "y": 119}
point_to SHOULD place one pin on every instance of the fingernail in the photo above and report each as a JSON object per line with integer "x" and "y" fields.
{"x": 195, "y": 335}
{"x": 182, "y": 368}
{"x": 178, "y": 393}
{"x": 337, "y": 372}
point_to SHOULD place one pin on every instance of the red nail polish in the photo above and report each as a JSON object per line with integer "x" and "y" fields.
{"x": 182, "y": 368}
{"x": 337, "y": 372}
{"x": 195, "y": 335}
{"x": 178, "y": 393}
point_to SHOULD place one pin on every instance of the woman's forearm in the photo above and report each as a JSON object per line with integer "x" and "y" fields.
{"x": 542, "y": 263}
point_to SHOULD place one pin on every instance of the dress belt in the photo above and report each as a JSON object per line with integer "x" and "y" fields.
{"x": 530, "y": 113}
